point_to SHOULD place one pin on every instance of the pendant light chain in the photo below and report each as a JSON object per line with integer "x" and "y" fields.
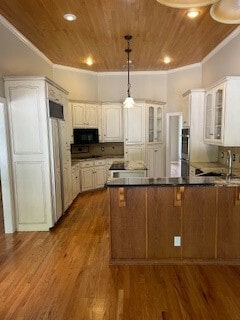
{"x": 129, "y": 102}
{"x": 128, "y": 50}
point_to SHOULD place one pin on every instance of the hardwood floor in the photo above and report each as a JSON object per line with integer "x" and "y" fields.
{"x": 64, "y": 274}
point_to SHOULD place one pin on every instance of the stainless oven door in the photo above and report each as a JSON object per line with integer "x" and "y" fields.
{"x": 184, "y": 168}
{"x": 185, "y": 144}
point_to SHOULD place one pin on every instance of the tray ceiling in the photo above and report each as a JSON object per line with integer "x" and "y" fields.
{"x": 100, "y": 27}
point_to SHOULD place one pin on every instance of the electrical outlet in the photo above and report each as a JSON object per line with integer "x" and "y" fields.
{"x": 177, "y": 241}
{"x": 233, "y": 157}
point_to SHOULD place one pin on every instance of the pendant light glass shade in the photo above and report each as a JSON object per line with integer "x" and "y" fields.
{"x": 184, "y": 4}
{"x": 128, "y": 102}
{"x": 226, "y": 11}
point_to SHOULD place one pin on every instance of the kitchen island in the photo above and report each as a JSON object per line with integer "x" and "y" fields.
{"x": 174, "y": 220}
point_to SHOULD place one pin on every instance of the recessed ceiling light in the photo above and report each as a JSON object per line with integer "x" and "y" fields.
{"x": 167, "y": 60}
{"x": 193, "y": 13}
{"x": 69, "y": 17}
{"x": 89, "y": 61}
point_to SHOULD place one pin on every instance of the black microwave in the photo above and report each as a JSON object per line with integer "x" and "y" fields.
{"x": 85, "y": 136}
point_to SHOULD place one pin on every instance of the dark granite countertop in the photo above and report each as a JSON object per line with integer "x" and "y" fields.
{"x": 189, "y": 181}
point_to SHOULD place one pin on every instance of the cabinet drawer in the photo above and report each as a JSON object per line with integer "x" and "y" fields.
{"x": 100, "y": 162}
{"x": 86, "y": 164}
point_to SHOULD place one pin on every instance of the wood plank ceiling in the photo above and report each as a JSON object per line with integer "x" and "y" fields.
{"x": 101, "y": 25}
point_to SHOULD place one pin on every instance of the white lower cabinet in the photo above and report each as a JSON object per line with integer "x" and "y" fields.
{"x": 155, "y": 161}
{"x": 93, "y": 174}
{"x": 75, "y": 181}
{"x": 87, "y": 179}
{"x": 134, "y": 152}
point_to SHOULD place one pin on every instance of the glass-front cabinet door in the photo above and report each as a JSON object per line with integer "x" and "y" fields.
{"x": 151, "y": 124}
{"x": 208, "y": 116}
{"x": 214, "y": 106}
{"x": 218, "y": 114}
{"x": 154, "y": 121}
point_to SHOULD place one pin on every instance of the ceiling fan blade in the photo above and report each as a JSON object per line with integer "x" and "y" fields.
{"x": 184, "y": 4}
{"x": 226, "y": 11}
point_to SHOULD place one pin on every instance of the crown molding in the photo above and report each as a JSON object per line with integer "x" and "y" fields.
{"x": 22, "y": 38}
{"x": 222, "y": 44}
{"x": 59, "y": 66}
{"x": 189, "y": 66}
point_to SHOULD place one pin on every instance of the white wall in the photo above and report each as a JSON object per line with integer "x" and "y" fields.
{"x": 81, "y": 85}
{"x": 178, "y": 82}
{"x": 224, "y": 62}
{"x": 144, "y": 85}
{"x": 16, "y": 58}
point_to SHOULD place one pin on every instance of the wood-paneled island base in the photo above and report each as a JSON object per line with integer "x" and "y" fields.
{"x": 147, "y": 215}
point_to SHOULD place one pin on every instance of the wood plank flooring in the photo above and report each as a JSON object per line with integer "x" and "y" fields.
{"x": 64, "y": 274}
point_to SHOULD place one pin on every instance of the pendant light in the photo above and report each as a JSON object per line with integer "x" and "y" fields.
{"x": 128, "y": 102}
{"x": 223, "y": 11}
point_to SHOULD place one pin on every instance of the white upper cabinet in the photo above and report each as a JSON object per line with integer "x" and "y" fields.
{"x": 154, "y": 123}
{"x": 84, "y": 115}
{"x": 222, "y": 105}
{"x": 134, "y": 125}
{"x": 112, "y": 126}
{"x": 193, "y": 117}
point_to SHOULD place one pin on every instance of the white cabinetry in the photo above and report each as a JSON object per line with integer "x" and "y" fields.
{"x": 93, "y": 174}
{"x": 56, "y": 168}
{"x": 65, "y": 164}
{"x": 134, "y": 152}
{"x": 193, "y": 104}
{"x": 84, "y": 115}
{"x": 143, "y": 127}
{"x": 134, "y": 133}
{"x": 75, "y": 180}
{"x": 134, "y": 125}
{"x": 112, "y": 122}
{"x": 154, "y": 123}
{"x": 36, "y": 189}
{"x": 155, "y": 161}
{"x": 222, "y": 105}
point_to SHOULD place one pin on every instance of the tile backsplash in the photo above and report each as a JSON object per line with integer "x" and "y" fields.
{"x": 222, "y": 155}
{"x": 100, "y": 149}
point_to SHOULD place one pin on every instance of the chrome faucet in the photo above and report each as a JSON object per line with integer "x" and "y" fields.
{"x": 229, "y": 163}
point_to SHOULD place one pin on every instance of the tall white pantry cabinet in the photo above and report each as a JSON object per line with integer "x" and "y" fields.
{"x": 39, "y": 197}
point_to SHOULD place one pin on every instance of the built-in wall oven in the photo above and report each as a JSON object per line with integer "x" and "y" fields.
{"x": 185, "y": 153}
